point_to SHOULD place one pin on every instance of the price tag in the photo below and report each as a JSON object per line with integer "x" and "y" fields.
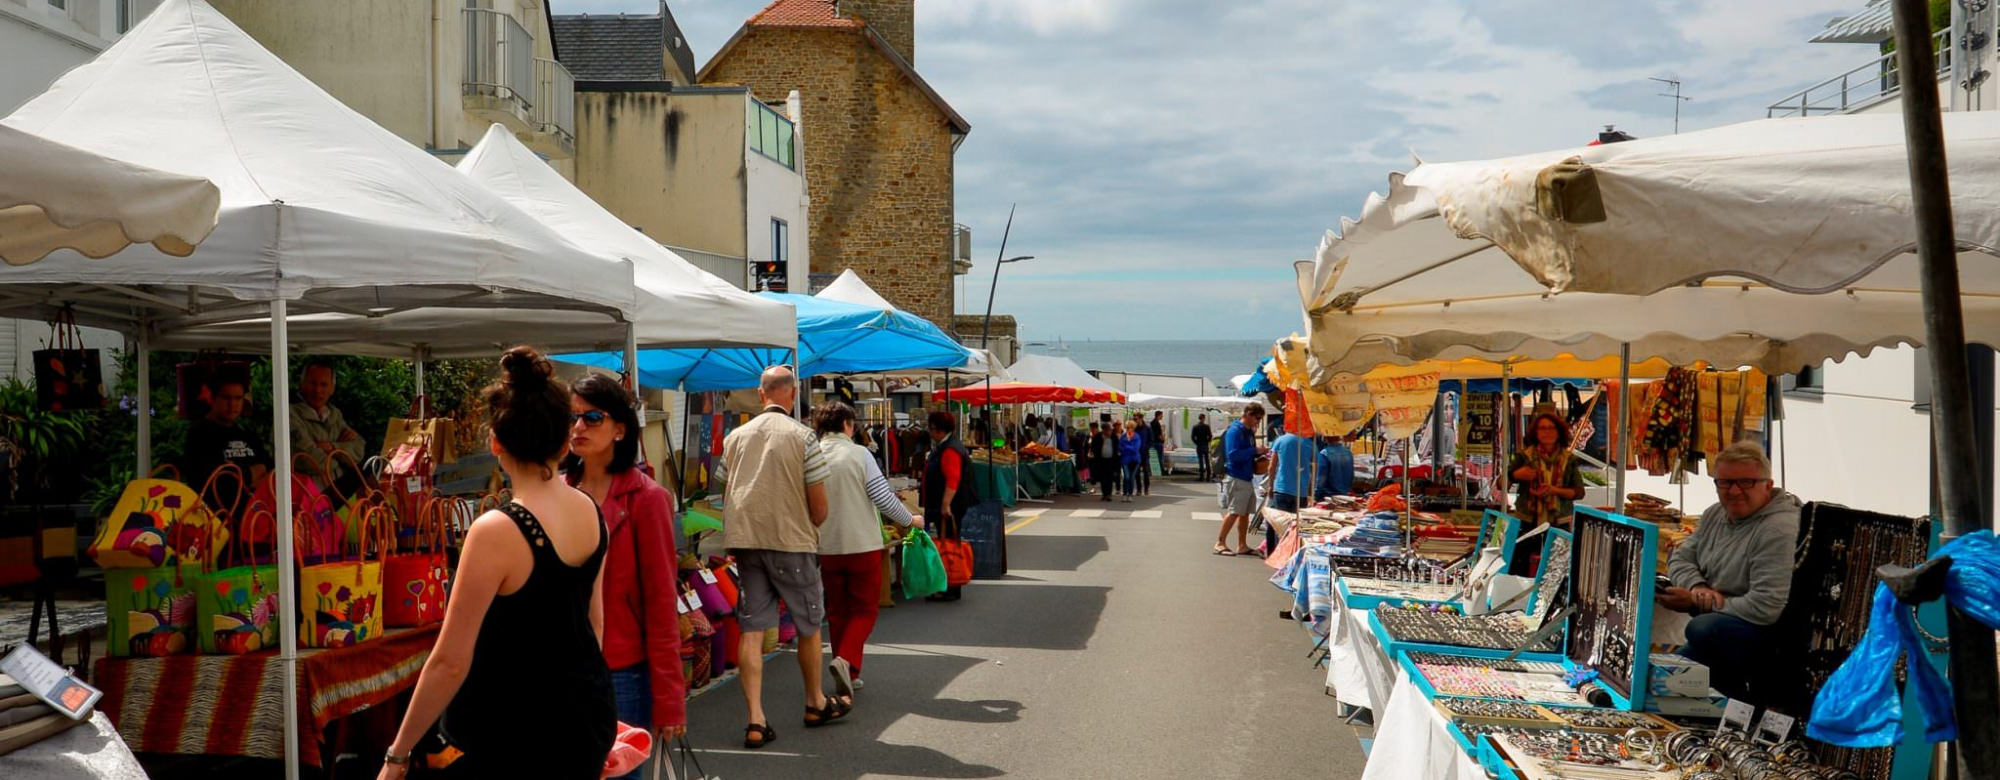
{"x": 1773, "y": 728}
{"x": 708, "y": 576}
{"x": 414, "y": 485}
{"x": 684, "y": 605}
{"x": 52, "y": 684}
{"x": 1736, "y": 718}
{"x": 694, "y": 600}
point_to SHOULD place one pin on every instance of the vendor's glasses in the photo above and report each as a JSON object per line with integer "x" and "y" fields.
{"x": 591, "y": 419}
{"x": 1738, "y": 484}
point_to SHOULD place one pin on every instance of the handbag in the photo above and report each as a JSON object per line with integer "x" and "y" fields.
{"x": 159, "y": 520}
{"x": 345, "y": 592}
{"x": 309, "y": 500}
{"x": 414, "y": 581}
{"x": 150, "y": 612}
{"x": 922, "y": 569}
{"x": 68, "y": 377}
{"x": 236, "y": 608}
{"x": 957, "y": 557}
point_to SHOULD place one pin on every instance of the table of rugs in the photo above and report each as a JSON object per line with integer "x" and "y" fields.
{"x": 233, "y": 705}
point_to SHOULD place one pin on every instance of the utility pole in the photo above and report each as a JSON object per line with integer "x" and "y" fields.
{"x": 1676, "y": 95}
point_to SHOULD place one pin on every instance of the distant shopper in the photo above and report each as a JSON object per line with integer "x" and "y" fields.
{"x": 1138, "y": 425}
{"x": 642, "y": 639}
{"x": 1132, "y": 457}
{"x": 517, "y": 673}
{"x": 1158, "y": 429}
{"x": 319, "y": 429}
{"x": 1291, "y": 476}
{"x": 858, "y": 497}
{"x": 1202, "y": 435}
{"x": 1104, "y": 460}
{"x": 1239, "y": 495}
{"x": 775, "y": 475}
{"x": 1549, "y": 480}
{"x": 220, "y": 438}
{"x": 1336, "y": 468}
{"x": 947, "y": 496}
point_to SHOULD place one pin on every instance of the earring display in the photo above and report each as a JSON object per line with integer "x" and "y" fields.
{"x": 1534, "y": 682}
{"x": 1647, "y": 754}
{"x": 1612, "y": 575}
{"x": 1608, "y": 720}
{"x": 1504, "y": 631}
{"x": 1838, "y": 554}
{"x": 1497, "y": 713}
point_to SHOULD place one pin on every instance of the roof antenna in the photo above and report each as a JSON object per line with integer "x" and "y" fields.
{"x": 1676, "y": 95}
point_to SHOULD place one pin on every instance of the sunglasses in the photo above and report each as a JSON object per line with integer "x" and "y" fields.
{"x": 591, "y": 419}
{"x": 1738, "y": 484}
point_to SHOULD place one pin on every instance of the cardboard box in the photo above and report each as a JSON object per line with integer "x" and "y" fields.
{"x": 1676, "y": 675}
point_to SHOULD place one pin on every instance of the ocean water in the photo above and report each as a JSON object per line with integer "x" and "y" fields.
{"x": 1215, "y": 360}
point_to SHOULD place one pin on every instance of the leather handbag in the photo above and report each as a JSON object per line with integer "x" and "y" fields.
{"x": 957, "y": 557}
{"x": 68, "y": 377}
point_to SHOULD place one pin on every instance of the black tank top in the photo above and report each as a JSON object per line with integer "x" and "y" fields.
{"x": 538, "y": 696}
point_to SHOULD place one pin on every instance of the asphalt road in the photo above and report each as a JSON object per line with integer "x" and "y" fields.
{"x": 1117, "y": 647}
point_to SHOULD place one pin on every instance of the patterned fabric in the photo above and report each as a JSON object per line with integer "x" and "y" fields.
{"x": 233, "y": 705}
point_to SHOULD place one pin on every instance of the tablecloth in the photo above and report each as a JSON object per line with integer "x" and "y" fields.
{"x": 1358, "y": 669}
{"x": 233, "y": 705}
{"x": 1413, "y": 741}
{"x": 1050, "y": 476}
{"x": 89, "y": 751}
{"x": 999, "y": 479}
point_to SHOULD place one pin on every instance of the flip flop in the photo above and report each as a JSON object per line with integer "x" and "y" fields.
{"x": 1225, "y": 552}
{"x": 1250, "y": 553}
{"x": 843, "y": 678}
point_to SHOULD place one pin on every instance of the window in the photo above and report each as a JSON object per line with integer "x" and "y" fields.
{"x": 1809, "y": 380}
{"x": 125, "y": 20}
{"x": 781, "y": 240}
{"x": 60, "y": 5}
{"x": 771, "y": 135}
{"x": 1920, "y": 385}
{"x": 773, "y": 274}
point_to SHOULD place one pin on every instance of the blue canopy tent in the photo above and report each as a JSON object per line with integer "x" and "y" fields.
{"x": 835, "y": 337}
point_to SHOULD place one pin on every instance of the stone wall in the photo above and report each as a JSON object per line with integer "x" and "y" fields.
{"x": 878, "y": 159}
{"x": 894, "y": 20}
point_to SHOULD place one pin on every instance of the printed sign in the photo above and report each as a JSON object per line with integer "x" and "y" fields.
{"x": 52, "y": 684}
{"x": 1482, "y": 424}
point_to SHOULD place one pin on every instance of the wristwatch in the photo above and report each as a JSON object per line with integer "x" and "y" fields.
{"x": 390, "y": 757}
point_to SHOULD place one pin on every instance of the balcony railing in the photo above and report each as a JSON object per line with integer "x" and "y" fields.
{"x": 499, "y": 66}
{"x": 553, "y": 114}
{"x": 1858, "y": 88}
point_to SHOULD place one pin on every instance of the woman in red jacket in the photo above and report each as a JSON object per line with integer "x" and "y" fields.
{"x": 641, "y": 621}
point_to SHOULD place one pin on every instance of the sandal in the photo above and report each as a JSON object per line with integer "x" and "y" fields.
{"x": 835, "y": 709}
{"x": 762, "y": 732}
{"x": 1248, "y": 552}
{"x": 1224, "y": 551}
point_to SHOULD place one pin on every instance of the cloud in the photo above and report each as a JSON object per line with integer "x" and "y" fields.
{"x": 1170, "y": 158}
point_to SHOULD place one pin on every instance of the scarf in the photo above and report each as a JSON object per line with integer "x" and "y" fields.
{"x": 1549, "y": 470}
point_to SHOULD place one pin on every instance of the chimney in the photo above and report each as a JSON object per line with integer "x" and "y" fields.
{"x": 894, "y": 20}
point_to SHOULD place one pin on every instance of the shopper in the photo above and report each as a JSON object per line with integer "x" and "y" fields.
{"x": 775, "y": 476}
{"x": 1239, "y": 495}
{"x": 1201, "y": 436}
{"x": 1132, "y": 457}
{"x": 642, "y": 642}
{"x": 516, "y": 671}
{"x": 1734, "y": 575}
{"x": 1104, "y": 461}
{"x": 858, "y": 497}
{"x": 946, "y": 494}
{"x": 1138, "y": 425}
{"x": 1291, "y": 476}
{"x": 319, "y": 429}
{"x": 1336, "y": 468}
{"x": 1158, "y": 429}
{"x": 1549, "y": 480}
{"x": 219, "y": 438}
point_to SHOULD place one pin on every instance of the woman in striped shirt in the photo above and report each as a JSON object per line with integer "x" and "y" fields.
{"x": 850, "y": 542}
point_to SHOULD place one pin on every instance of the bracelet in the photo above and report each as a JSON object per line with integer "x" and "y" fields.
{"x": 390, "y": 757}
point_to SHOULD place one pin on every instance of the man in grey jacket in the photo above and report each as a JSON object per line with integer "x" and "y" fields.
{"x": 1734, "y": 574}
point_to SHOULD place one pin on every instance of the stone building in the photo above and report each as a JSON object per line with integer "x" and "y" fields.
{"x": 877, "y": 140}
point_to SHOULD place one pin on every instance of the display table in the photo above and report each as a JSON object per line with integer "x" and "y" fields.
{"x": 1358, "y": 669}
{"x": 232, "y": 705}
{"x": 1415, "y": 742}
{"x": 89, "y": 751}
{"x": 998, "y": 479}
{"x": 1040, "y": 478}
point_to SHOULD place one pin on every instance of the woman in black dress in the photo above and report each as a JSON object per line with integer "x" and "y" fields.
{"x": 517, "y": 672}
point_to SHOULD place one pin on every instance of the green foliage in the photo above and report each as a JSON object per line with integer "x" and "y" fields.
{"x": 45, "y": 443}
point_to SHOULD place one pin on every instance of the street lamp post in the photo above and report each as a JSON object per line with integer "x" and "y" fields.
{"x": 985, "y": 333}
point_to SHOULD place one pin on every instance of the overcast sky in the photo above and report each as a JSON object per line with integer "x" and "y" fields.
{"x": 1171, "y": 158}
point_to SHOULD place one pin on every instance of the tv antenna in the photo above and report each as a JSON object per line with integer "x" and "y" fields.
{"x": 1676, "y": 95}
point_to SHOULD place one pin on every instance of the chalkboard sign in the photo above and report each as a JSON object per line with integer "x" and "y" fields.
{"x": 984, "y": 527}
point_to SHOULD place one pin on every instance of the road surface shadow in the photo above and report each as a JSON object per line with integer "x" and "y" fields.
{"x": 1037, "y": 617}
{"x": 1052, "y": 553}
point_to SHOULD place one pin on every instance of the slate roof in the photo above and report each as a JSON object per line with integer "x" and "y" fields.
{"x": 621, "y": 47}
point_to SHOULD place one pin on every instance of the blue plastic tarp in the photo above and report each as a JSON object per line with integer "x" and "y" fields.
{"x": 1260, "y": 382}
{"x": 834, "y": 338}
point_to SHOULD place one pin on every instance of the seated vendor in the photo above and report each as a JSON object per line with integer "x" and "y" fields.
{"x": 220, "y": 438}
{"x": 1735, "y": 573}
{"x": 319, "y": 429}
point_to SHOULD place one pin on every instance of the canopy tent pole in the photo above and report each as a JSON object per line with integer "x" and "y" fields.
{"x": 142, "y": 345}
{"x": 1504, "y": 453}
{"x": 1974, "y": 673}
{"x": 1624, "y": 403}
{"x": 1409, "y": 517}
{"x": 288, "y": 597}
{"x": 417, "y": 368}
{"x": 1457, "y": 458}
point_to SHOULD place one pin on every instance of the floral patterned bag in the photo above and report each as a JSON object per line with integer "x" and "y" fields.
{"x": 151, "y": 560}
{"x": 236, "y": 608}
{"x": 340, "y": 598}
{"x": 414, "y": 581}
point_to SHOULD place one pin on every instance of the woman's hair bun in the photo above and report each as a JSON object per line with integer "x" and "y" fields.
{"x": 526, "y": 370}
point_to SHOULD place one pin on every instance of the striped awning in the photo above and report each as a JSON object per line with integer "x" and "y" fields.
{"x": 1872, "y": 24}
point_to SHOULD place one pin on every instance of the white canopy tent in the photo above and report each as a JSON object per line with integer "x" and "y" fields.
{"x": 56, "y": 196}
{"x": 1051, "y": 370}
{"x": 1149, "y": 402}
{"x": 323, "y": 213}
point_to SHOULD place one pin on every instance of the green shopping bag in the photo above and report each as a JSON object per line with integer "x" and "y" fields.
{"x": 235, "y": 608}
{"x": 922, "y": 568}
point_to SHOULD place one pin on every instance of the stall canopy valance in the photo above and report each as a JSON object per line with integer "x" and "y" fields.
{"x": 835, "y": 337}
{"x": 1039, "y": 379}
{"x": 1691, "y": 249}
{"x": 57, "y": 196}
{"x": 319, "y": 205}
